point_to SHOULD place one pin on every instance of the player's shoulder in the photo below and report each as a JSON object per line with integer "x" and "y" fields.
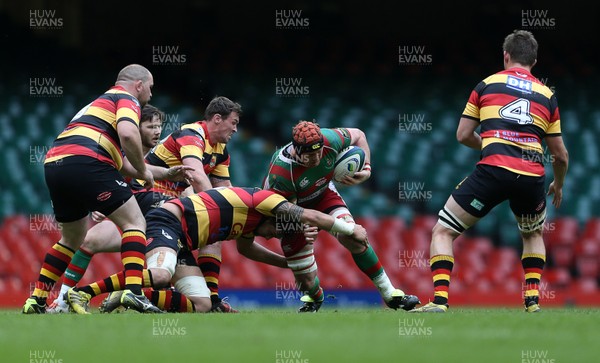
{"x": 194, "y": 128}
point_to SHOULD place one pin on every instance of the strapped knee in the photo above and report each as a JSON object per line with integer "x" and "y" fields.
{"x": 529, "y": 225}
{"x": 449, "y": 220}
{"x": 192, "y": 286}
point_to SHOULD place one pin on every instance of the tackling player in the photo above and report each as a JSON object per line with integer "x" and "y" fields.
{"x": 202, "y": 146}
{"x": 189, "y": 223}
{"x": 301, "y": 172}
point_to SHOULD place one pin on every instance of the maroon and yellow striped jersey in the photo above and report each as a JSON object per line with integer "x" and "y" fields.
{"x": 515, "y": 111}
{"x": 191, "y": 141}
{"x": 93, "y": 131}
{"x": 225, "y": 213}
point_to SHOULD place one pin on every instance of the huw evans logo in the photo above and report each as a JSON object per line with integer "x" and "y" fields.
{"x": 537, "y": 19}
{"x": 291, "y": 19}
{"x": 291, "y": 87}
{"x": 44, "y": 87}
{"x": 167, "y": 55}
{"x": 414, "y": 55}
{"x": 44, "y": 20}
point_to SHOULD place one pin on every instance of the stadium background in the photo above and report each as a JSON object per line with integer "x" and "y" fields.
{"x": 345, "y": 60}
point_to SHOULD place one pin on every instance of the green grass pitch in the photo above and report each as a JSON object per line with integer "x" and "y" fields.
{"x": 282, "y": 336}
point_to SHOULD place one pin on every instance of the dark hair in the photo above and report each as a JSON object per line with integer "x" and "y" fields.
{"x": 521, "y": 46}
{"x": 149, "y": 111}
{"x": 223, "y": 106}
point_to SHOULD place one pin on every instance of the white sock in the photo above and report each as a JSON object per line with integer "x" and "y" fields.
{"x": 63, "y": 290}
{"x": 384, "y": 285}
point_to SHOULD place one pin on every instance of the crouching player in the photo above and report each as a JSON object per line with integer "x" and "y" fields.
{"x": 186, "y": 224}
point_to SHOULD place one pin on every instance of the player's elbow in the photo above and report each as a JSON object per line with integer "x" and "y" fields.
{"x": 463, "y": 136}
{"x": 561, "y": 158}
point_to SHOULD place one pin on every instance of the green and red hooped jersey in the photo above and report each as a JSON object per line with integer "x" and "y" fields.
{"x": 298, "y": 183}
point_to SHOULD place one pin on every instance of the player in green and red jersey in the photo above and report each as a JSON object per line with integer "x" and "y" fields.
{"x": 302, "y": 172}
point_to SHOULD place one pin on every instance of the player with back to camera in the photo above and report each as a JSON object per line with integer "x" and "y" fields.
{"x": 515, "y": 112}
{"x": 84, "y": 172}
{"x": 105, "y": 236}
{"x": 301, "y": 171}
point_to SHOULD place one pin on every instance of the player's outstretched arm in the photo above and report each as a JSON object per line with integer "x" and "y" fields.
{"x": 247, "y": 247}
{"x": 322, "y": 220}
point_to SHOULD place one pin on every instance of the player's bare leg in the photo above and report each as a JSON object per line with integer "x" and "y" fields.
{"x": 102, "y": 237}
{"x": 367, "y": 261}
{"x": 453, "y": 221}
{"x": 533, "y": 258}
{"x": 55, "y": 263}
{"x": 209, "y": 261}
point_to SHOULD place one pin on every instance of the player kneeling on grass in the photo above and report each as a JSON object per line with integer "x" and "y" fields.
{"x": 186, "y": 224}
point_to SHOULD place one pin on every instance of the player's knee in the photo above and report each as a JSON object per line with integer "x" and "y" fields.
{"x": 195, "y": 289}
{"x": 532, "y": 226}
{"x": 351, "y": 244}
{"x": 162, "y": 264}
{"x": 201, "y": 304}
{"x": 448, "y": 224}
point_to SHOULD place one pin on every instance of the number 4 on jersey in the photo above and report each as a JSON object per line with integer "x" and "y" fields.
{"x": 517, "y": 110}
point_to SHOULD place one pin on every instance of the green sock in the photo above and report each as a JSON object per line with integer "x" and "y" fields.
{"x": 316, "y": 292}
{"x": 76, "y": 269}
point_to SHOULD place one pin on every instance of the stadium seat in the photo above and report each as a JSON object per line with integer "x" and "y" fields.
{"x": 588, "y": 266}
{"x": 592, "y": 229}
{"x": 562, "y": 255}
{"x": 564, "y": 230}
{"x": 424, "y": 222}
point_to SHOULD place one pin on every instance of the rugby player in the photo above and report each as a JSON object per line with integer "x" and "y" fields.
{"x": 515, "y": 112}
{"x": 302, "y": 172}
{"x": 105, "y": 236}
{"x": 83, "y": 171}
{"x": 188, "y": 223}
{"x": 202, "y": 145}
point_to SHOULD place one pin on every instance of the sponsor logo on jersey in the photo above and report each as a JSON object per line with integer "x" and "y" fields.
{"x": 320, "y": 182}
{"x": 121, "y": 183}
{"x": 519, "y": 84}
{"x": 103, "y": 196}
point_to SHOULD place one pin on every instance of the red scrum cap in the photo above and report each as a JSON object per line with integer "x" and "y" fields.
{"x": 307, "y": 137}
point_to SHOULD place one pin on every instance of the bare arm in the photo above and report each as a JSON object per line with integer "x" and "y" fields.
{"x": 560, "y": 164}
{"x": 322, "y": 220}
{"x": 218, "y": 182}
{"x": 466, "y": 135}
{"x": 200, "y": 180}
{"x": 131, "y": 142}
{"x": 249, "y": 248}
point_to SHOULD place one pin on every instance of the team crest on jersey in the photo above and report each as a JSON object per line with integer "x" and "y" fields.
{"x": 213, "y": 161}
{"x": 304, "y": 182}
{"x": 236, "y": 229}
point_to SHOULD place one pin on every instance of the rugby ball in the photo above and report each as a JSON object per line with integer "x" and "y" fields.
{"x": 348, "y": 161}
